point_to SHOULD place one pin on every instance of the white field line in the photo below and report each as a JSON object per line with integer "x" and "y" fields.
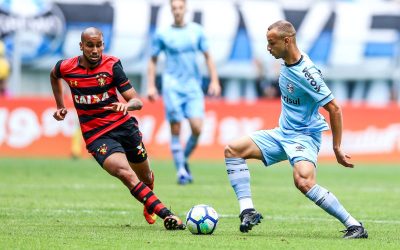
{"x": 272, "y": 218}
{"x": 295, "y": 218}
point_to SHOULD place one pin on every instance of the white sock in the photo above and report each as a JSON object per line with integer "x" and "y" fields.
{"x": 328, "y": 202}
{"x": 351, "y": 222}
{"x": 245, "y": 203}
{"x": 177, "y": 153}
{"x": 182, "y": 172}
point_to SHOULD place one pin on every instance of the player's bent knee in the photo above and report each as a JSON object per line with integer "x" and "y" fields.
{"x": 304, "y": 185}
{"x": 230, "y": 152}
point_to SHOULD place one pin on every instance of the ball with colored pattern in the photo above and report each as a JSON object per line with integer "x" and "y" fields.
{"x": 201, "y": 219}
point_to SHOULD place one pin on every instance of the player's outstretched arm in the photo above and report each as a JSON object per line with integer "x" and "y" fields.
{"x": 132, "y": 102}
{"x": 214, "y": 88}
{"x": 335, "y": 117}
{"x": 152, "y": 92}
{"x": 56, "y": 85}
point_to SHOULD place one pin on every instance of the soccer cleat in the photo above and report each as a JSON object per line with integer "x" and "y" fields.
{"x": 183, "y": 177}
{"x": 249, "y": 218}
{"x": 172, "y": 222}
{"x": 355, "y": 232}
{"x": 150, "y": 218}
{"x": 183, "y": 180}
{"x": 189, "y": 177}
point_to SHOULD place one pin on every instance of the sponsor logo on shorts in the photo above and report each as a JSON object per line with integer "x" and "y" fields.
{"x": 102, "y": 149}
{"x": 300, "y": 148}
{"x": 141, "y": 150}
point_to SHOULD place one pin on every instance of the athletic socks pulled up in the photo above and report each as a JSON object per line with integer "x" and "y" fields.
{"x": 177, "y": 153}
{"x": 239, "y": 177}
{"x": 144, "y": 194}
{"x": 328, "y": 202}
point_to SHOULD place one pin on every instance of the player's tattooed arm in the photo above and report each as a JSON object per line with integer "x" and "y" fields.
{"x": 132, "y": 102}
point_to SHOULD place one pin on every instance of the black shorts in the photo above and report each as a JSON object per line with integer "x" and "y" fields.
{"x": 125, "y": 138}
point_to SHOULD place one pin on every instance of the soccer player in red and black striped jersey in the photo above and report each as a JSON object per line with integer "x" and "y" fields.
{"x": 112, "y": 136}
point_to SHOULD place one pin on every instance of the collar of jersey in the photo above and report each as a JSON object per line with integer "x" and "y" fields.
{"x": 296, "y": 63}
{"x": 81, "y": 66}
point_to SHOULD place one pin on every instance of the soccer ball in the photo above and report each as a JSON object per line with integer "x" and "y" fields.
{"x": 201, "y": 219}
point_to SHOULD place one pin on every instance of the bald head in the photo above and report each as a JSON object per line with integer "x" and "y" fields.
{"x": 283, "y": 28}
{"x": 92, "y": 46}
{"x": 89, "y": 32}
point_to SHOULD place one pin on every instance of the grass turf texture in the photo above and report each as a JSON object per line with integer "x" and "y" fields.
{"x": 74, "y": 204}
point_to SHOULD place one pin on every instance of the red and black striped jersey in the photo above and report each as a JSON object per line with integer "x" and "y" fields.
{"x": 92, "y": 90}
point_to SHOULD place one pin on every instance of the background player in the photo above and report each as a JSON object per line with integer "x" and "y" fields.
{"x": 112, "y": 136}
{"x": 298, "y": 137}
{"x": 181, "y": 82}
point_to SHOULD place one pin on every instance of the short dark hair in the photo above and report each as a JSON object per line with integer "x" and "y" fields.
{"x": 284, "y": 28}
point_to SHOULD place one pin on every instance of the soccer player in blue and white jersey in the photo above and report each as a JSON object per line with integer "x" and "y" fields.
{"x": 298, "y": 137}
{"x": 181, "y": 82}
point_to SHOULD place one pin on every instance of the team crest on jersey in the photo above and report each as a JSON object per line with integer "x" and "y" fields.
{"x": 102, "y": 149}
{"x": 101, "y": 79}
{"x": 73, "y": 83}
{"x": 141, "y": 150}
{"x": 290, "y": 87}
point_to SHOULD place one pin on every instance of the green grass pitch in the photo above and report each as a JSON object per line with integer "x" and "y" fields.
{"x": 74, "y": 204}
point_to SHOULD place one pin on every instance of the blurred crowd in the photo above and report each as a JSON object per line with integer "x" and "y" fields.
{"x": 265, "y": 85}
{"x": 4, "y": 70}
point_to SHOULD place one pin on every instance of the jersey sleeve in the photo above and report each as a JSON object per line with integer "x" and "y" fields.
{"x": 203, "y": 41}
{"x": 57, "y": 69}
{"x": 315, "y": 86}
{"x": 119, "y": 78}
{"x": 157, "y": 44}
